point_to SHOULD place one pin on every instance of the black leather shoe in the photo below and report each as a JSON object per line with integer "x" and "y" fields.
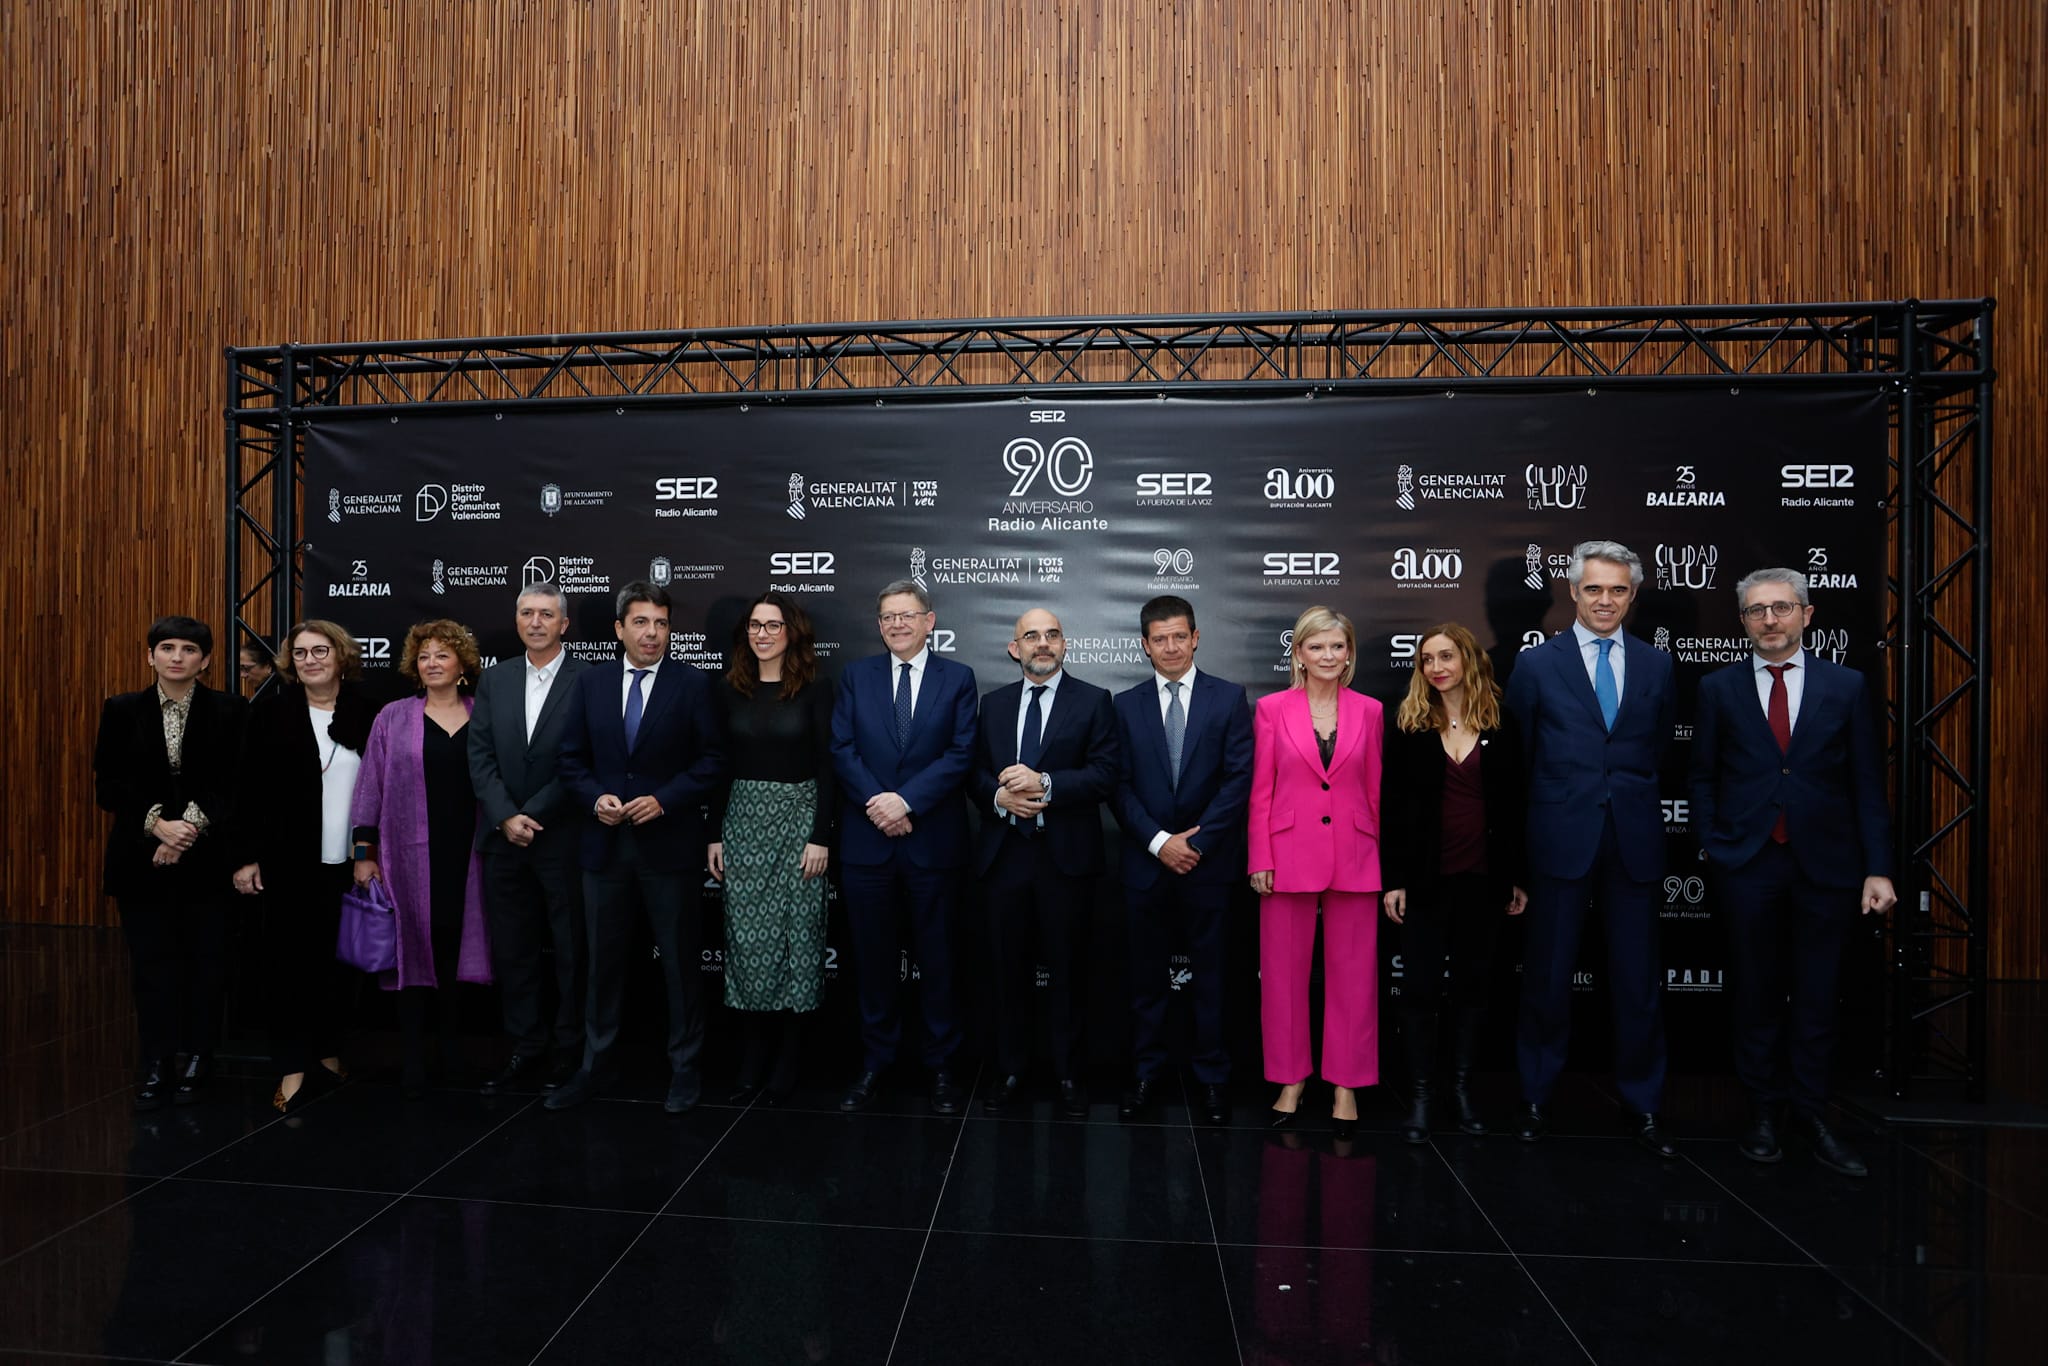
{"x": 945, "y": 1095}
{"x": 1651, "y": 1138}
{"x": 579, "y": 1088}
{"x": 192, "y": 1078}
{"x": 995, "y": 1100}
{"x": 859, "y": 1094}
{"x": 520, "y": 1070}
{"x": 1759, "y": 1142}
{"x": 1282, "y": 1119}
{"x": 1137, "y": 1102}
{"x": 1828, "y": 1150}
{"x": 1215, "y": 1105}
{"x": 559, "y": 1074}
{"x": 1530, "y": 1122}
{"x": 1415, "y": 1128}
{"x": 1073, "y": 1100}
{"x": 156, "y": 1084}
{"x": 685, "y": 1089}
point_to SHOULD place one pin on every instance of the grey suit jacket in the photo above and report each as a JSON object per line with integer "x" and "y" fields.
{"x": 512, "y": 774}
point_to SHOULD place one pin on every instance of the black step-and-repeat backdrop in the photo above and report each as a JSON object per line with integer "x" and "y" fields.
{"x": 1400, "y": 512}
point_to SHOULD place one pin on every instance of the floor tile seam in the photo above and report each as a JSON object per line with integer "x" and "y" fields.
{"x": 76, "y": 1224}
{"x": 562, "y": 1205}
{"x": 1520, "y": 1265}
{"x": 1882, "y": 1312}
{"x": 55, "y": 1354}
{"x": 939, "y": 1203}
{"x": 627, "y": 1251}
{"x": 82, "y": 1105}
{"x": 288, "y": 1185}
{"x": 1209, "y": 1209}
{"x": 379, "y": 1213}
{"x": 792, "y": 1223}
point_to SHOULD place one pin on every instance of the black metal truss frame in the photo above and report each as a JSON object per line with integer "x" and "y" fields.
{"x": 1932, "y": 361}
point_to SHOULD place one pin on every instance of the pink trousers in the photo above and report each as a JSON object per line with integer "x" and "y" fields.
{"x": 1351, "y": 1010}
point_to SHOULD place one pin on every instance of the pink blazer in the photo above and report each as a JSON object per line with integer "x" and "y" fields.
{"x": 1316, "y": 831}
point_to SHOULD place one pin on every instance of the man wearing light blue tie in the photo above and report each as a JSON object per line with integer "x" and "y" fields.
{"x": 1596, "y": 707}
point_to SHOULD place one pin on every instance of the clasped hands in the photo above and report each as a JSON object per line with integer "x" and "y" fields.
{"x": 174, "y": 837}
{"x": 890, "y": 814}
{"x": 1021, "y": 792}
{"x": 609, "y": 810}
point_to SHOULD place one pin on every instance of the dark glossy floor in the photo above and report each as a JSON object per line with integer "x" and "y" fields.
{"x": 464, "y": 1229}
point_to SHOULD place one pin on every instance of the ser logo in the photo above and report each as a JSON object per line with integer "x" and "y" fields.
{"x": 1175, "y": 484}
{"x": 673, "y": 489}
{"x": 804, "y": 563}
{"x": 1817, "y": 476}
{"x": 1068, "y": 465}
{"x": 376, "y": 649}
{"x": 1677, "y": 811}
{"x": 1402, "y": 649}
{"x": 943, "y": 641}
{"x": 1292, "y": 565}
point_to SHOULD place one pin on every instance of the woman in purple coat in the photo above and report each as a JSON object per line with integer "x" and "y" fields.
{"x": 415, "y": 828}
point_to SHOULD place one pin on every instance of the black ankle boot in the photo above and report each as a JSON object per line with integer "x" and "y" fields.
{"x": 1418, "y": 1042}
{"x": 1464, "y": 1058}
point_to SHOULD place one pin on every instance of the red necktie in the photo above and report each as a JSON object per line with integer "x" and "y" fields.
{"x": 1779, "y": 714}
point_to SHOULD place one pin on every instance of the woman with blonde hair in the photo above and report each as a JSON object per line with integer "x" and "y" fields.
{"x": 415, "y": 819}
{"x": 1453, "y": 857}
{"x": 1314, "y": 831}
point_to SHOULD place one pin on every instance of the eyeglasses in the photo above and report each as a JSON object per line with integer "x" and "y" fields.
{"x": 314, "y": 652}
{"x": 1759, "y": 610}
{"x": 1051, "y": 637}
{"x": 899, "y": 618}
{"x": 246, "y": 669}
{"x": 764, "y": 628}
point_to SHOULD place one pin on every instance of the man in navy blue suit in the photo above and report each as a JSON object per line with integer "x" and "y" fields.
{"x": 903, "y": 726}
{"x": 1045, "y": 763}
{"x": 1788, "y": 793}
{"x": 641, "y": 754}
{"x": 1186, "y": 742}
{"x": 1595, "y": 705}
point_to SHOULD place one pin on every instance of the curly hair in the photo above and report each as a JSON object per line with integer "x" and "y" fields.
{"x": 1423, "y": 708}
{"x": 452, "y": 634}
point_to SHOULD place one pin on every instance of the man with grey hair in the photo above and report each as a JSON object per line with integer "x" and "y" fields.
{"x": 903, "y": 731}
{"x": 1595, "y": 705}
{"x": 1788, "y": 793}
{"x": 533, "y": 894}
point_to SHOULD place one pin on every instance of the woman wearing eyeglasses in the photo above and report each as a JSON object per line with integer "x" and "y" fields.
{"x": 300, "y": 755}
{"x": 774, "y": 824}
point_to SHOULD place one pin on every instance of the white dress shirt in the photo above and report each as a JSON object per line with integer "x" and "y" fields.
{"x": 1187, "y": 700}
{"x": 1795, "y": 683}
{"x": 916, "y": 663}
{"x": 539, "y": 678}
{"x": 626, "y": 682}
{"x": 1052, "y": 687}
{"x": 1589, "y": 650}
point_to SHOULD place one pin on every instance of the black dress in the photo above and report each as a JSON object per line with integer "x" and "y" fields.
{"x": 451, "y": 827}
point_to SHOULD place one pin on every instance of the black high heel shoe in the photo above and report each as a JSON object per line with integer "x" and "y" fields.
{"x": 1344, "y": 1128}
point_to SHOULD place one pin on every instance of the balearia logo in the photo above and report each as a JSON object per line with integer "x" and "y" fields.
{"x": 1300, "y": 568}
{"x": 1432, "y": 567}
{"x": 696, "y": 494}
{"x": 1308, "y": 487}
{"x": 803, "y": 571}
{"x": 1176, "y": 489}
{"x": 1063, "y": 470}
{"x": 1555, "y": 486}
{"x": 1818, "y": 575}
{"x": 462, "y": 503}
{"x": 360, "y": 583}
{"x": 1831, "y": 644}
{"x": 1456, "y": 487}
{"x": 1685, "y": 492}
{"x": 1173, "y": 568}
{"x": 1686, "y": 566}
{"x": 1817, "y": 486}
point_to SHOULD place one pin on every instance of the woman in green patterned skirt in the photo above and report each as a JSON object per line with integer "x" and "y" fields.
{"x": 774, "y": 824}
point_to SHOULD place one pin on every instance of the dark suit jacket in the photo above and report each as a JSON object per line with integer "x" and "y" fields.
{"x": 277, "y": 783}
{"x": 1830, "y": 784}
{"x": 928, "y": 773}
{"x": 1576, "y": 765}
{"x": 677, "y": 758}
{"x": 1215, "y": 779}
{"x": 1411, "y": 811}
{"x": 1078, "y": 750}
{"x": 132, "y": 772}
{"x": 514, "y": 775}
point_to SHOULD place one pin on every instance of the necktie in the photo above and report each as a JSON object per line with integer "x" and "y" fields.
{"x": 1604, "y": 689}
{"x": 1176, "y": 729}
{"x": 634, "y": 706}
{"x": 1028, "y": 745}
{"x": 903, "y": 708}
{"x": 1779, "y": 714}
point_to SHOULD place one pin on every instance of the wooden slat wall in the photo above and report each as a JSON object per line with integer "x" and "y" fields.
{"x": 180, "y": 177}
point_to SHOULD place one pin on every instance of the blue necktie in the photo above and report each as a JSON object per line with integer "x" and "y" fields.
{"x": 634, "y": 706}
{"x": 1029, "y": 746}
{"x": 903, "y": 708}
{"x": 1176, "y": 729}
{"x": 1604, "y": 689}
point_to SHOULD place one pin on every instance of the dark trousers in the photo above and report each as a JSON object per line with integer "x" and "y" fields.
{"x": 1456, "y": 922}
{"x": 533, "y": 900}
{"x": 177, "y": 952}
{"x": 879, "y": 896}
{"x": 1174, "y": 913}
{"x": 1558, "y": 908}
{"x": 673, "y": 908}
{"x": 1787, "y": 934}
{"x": 415, "y": 1004}
{"x": 1037, "y": 915}
{"x": 306, "y": 988}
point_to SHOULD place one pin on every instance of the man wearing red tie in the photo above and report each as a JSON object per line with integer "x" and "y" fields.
{"x": 1788, "y": 793}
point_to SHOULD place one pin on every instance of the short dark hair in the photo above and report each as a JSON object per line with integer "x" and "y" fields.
{"x": 182, "y": 628}
{"x": 640, "y": 590}
{"x": 1165, "y": 607}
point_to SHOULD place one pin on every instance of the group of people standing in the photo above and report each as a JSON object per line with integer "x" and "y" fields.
{"x": 545, "y": 803}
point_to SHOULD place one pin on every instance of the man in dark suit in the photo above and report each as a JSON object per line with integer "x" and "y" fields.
{"x": 641, "y": 754}
{"x": 1595, "y": 705}
{"x": 164, "y": 765}
{"x": 1045, "y": 763}
{"x": 533, "y": 893}
{"x": 1788, "y": 792}
{"x": 1185, "y": 738}
{"x": 903, "y": 726}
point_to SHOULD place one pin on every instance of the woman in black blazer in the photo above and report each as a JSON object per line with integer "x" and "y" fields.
{"x": 302, "y": 749}
{"x": 1452, "y": 855}
{"x": 164, "y": 765}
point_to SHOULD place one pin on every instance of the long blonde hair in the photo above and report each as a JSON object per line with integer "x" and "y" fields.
{"x": 1423, "y": 707}
{"x": 1312, "y": 622}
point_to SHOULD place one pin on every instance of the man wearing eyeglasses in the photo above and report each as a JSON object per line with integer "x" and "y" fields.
{"x": 903, "y": 726}
{"x": 1788, "y": 796}
{"x": 1045, "y": 762}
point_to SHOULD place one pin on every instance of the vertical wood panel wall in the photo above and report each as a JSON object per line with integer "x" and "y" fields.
{"x": 180, "y": 177}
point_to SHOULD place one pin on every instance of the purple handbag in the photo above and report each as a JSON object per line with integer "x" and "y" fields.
{"x": 369, "y": 928}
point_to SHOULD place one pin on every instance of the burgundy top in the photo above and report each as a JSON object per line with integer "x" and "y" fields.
{"x": 1464, "y": 816}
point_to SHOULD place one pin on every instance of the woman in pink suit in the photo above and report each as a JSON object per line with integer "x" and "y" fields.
{"x": 1314, "y": 830}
